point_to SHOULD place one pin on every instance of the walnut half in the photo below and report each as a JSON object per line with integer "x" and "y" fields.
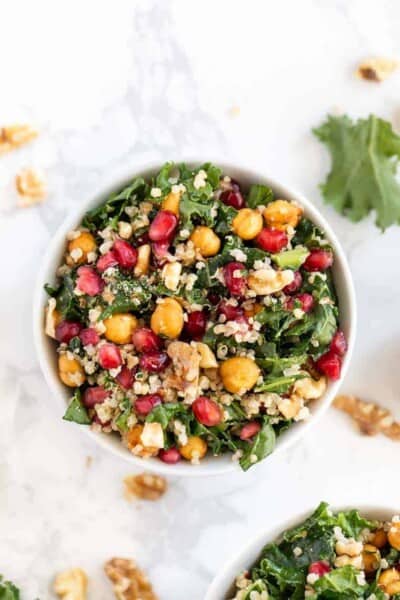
{"x": 376, "y": 69}
{"x": 145, "y": 486}
{"x": 71, "y": 584}
{"x": 370, "y": 417}
{"x": 129, "y": 582}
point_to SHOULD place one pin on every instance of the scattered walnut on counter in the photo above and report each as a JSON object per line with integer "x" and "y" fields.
{"x": 13, "y": 136}
{"x": 129, "y": 582}
{"x": 370, "y": 417}
{"x": 376, "y": 69}
{"x": 145, "y": 486}
{"x": 71, "y": 584}
{"x": 31, "y": 186}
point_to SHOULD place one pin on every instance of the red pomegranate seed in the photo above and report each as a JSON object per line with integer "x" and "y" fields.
{"x": 110, "y": 356}
{"x": 195, "y": 326}
{"x": 89, "y": 282}
{"x": 249, "y": 430}
{"x": 291, "y": 288}
{"x": 126, "y": 377}
{"x": 318, "y": 260}
{"x": 145, "y": 404}
{"x": 234, "y": 278}
{"x": 154, "y": 361}
{"x": 89, "y": 337}
{"x": 145, "y": 340}
{"x": 339, "y": 343}
{"x": 232, "y": 198}
{"x": 109, "y": 259}
{"x": 66, "y": 330}
{"x": 143, "y": 239}
{"x": 170, "y": 456}
{"x": 163, "y": 226}
{"x": 319, "y": 568}
{"x": 329, "y": 364}
{"x": 206, "y": 411}
{"x": 271, "y": 240}
{"x": 94, "y": 395}
{"x": 306, "y": 300}
{"x": 160, "y": 251}
{"x": 125, "y": 253}
{"x": 232, "y": 313}
{"x": 213, "y": 298}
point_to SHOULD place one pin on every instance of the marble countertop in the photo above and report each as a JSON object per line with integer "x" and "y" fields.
{"x": 113, "y": 84}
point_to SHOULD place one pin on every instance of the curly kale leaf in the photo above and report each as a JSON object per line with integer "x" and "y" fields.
{"x": 67, "y": 303}
{"x": 259, "y": 195}
{"x": 130, "y": 295}
{"x": 76, "y": 411}
{"x": 365, "y": 157}
{"x": 262, "y": 445}
{"x": 8, "y": 591}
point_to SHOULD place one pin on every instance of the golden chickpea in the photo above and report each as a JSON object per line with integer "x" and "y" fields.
{"x": 171, "y": 202}
{"x": 253, "y": 310}
{"x": 239, "y": 374}
{"x": 132, "y": 440}
{"x": 70, "y": 371}
{"x": 371, "y": 558}
{"x": 85, "y": 242}
{"x": 394, "y": 535}
{"x": 282, "y": 214}
{"x": 195, "y": 448}
{"x": 167, "y": 319}
{"x": 379, "y": 538}
{"x": 247, "y": 224}
{"x": 389, "y": 581}
{"x": 205, "y": 240}
{"x": 119, "y": 327}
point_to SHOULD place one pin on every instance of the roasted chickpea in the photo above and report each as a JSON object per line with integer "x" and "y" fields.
{"x": 70, "y": 371}
{"x": 247, "y": 224}
{"x": 85, "y": 242}
{"x": 119, "y": 327}
{"x": 195, "y": 448}
{"x": 205, "y": 240}
{"x": 394, "y": 535}
{"x": 282, "y": 214}
{"x": 143, "y": 260}
{"x": 371, "y": 558}
{"x": 239, "y": 374}
{"x": 389, "y": 581}
{"x": 379, "y": 538}
{"x": 167, "y": 319}
{"x": 132, "y": 440}
{"x": 171, "y": 202}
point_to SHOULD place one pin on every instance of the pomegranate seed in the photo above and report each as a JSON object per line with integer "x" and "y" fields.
{"x": 339, "y": 343}
{"x": 330, "y": 364}
{"x": 163, "y": 226}
{"x": 232, "y": 313}
{"x": 235, "y": 283}
{"x": 232, "y": 198}
{"x": 109, "y": 259}
{"x": 195, "y": 326}
{"x": 89, "y": 337}
{"x": 249, "y": 430}
{"x": 125, "y": 253}
{"x": 295, "y": 285}
{"x": 318, "y": 260}
{"x": 66, "y": 330}
{"x": 206, "y": 411}
{"x": 170, "y": 456}
{"x": 306, "y": 300}
{"x": 94, "y": 395}
{"x": 110, "y": 356}
{"x": 319, "y": 568}
{"x": 89, "y": 282}
{"x": 272, "y": 240}
{"x": 160, "y": 251}
{"x": 145, "y": 340}
{"x": 126, "y": 377}
{"x": 145, "y": 404}
{"x": 213, "y": 298}
{"x": 143, "y": 239}
{"x": 154, "y": 361}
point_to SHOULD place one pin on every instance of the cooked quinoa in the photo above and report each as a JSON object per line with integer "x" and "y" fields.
{"x": 193, "y": 315}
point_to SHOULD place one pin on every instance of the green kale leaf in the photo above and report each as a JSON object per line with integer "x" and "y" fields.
{"x": 163, "y": 413}
{"x": 76, "y": 411}
{"x": 259, "y": 194}
{"x": 365, "y": 156}
{"x": 67, "y": 303}
{"x": 8, "y": 591}
{"x": 126, "y": 410}
{"x": 343, "y": 581}
{"x": 262, "y": 445}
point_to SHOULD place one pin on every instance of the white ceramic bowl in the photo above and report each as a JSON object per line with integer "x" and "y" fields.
{"x": 46, "y": 347}
{"x": 223, "y": 584}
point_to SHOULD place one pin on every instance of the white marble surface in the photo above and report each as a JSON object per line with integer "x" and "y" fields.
{"x": 111, "y": 84}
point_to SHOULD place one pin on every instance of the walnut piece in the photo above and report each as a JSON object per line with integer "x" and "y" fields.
{"x": 129, "y": 582}
{"x": 71, "y": 584}
{"x": 370, "y": 417}
{"x": 31, "y": 186}
{"x": 376, "y": 69}
{"x": 145, "y": 486}
{"x": 13, "y": 136}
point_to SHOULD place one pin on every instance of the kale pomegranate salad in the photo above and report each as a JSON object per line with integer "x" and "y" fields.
{"x": 195, "y": 316}
{"x": 329, "y": 556}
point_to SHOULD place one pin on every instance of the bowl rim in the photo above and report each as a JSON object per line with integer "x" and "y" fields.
{"x": 234, "y": 564}
{"x": 211, "y": 466}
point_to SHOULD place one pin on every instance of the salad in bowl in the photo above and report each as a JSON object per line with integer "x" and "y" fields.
{"x": 193, "y": 316}
{"x": 330, "y": 555}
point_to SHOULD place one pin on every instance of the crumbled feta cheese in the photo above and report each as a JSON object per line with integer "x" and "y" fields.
{"x": 238, "y": 255}
{"x": 200, "y": 179}
{"x": 152, "y": 435}
{"x": 155, "y": 192}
